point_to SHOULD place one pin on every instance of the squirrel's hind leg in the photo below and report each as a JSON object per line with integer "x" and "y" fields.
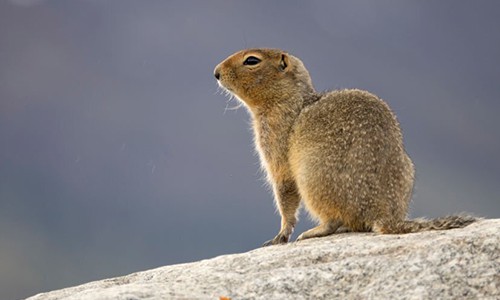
{"x": 324, "y": 229}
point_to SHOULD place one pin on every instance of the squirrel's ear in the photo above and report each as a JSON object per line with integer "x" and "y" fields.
{"x": 284, "y": 62}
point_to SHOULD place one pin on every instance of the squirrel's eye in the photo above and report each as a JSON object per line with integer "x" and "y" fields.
{"x": 251, "y": 60}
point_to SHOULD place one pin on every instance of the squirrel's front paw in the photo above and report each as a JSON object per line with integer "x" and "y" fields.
{"x": 279, "y": 239}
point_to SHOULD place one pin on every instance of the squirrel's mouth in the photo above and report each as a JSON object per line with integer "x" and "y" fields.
{"x": 221, "y": 85}
{"x": 225, "y": 88}
{"x": 231, "y": 95}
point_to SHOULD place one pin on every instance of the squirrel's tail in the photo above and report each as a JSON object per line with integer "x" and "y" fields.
{"x": 418, "y": 225}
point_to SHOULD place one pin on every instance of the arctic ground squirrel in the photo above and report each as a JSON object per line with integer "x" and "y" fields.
{"x": 341, "y": 152}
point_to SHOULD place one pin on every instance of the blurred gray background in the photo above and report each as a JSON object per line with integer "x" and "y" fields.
{"x": 117, "y": 155}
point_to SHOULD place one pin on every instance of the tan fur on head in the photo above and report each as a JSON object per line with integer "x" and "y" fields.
{"x": 267, "y": 82}
{"x": 341, "y": 152}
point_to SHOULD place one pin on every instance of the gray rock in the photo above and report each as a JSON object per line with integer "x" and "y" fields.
{"x": 453, "y": 264}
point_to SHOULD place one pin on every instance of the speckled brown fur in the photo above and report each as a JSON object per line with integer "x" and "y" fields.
{"x": 341, "y": 152}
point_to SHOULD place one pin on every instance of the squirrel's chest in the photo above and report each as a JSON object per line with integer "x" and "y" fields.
{"x": 272, "y": 144}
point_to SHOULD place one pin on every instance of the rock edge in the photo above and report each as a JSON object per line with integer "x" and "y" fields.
{"x": 458, "y": 263}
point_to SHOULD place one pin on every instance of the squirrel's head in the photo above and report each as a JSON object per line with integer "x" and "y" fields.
{"x": 263, "y": 77}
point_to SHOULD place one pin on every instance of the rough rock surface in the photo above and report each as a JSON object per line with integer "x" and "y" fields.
{"x": 453, "y": 264}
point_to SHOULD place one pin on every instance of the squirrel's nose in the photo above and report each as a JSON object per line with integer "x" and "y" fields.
{"x": 217, "y": 75}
